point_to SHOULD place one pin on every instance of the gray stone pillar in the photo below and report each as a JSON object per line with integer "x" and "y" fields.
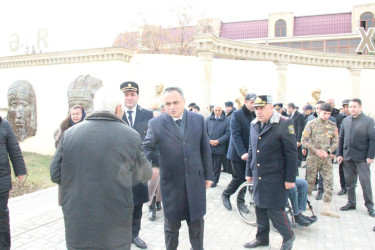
{"x": 281, "y": 87}
{"x": 355, "y": 75}
{"x": 204, "y": 100}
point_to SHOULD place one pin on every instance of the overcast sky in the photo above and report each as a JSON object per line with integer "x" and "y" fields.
{"x": 80, "y": 24}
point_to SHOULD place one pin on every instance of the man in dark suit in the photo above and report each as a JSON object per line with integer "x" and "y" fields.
{"x": 137, "y": 118}
{"x": 238, "y": 145}
{"x": 357, "y": 150}
{"x": 185, "y": 167}
{"x": 299, "y": 124}
{"x": 271, "y": 166}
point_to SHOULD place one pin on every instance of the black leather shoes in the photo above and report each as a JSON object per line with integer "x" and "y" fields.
{"x": 371, "y": 212}
{"x": 255, "y": 243}
{"x": 213, "y": 184}
{"x": 300, "y": 220}
{"x": 342, "y": 191}
{"x": 347, "y": 207}
{"x": 319, "y": 196}
{"x": 151, "y": 213}
{"x": 158, "y": 206}
{"x": 226, "y": 202}
{"x": 288, "y": 244}
{"x": 139, "y": 243}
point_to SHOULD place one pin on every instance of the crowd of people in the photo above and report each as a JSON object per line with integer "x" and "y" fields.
{"x": 110, "y": 162}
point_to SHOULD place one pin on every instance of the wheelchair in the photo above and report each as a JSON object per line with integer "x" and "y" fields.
{"x": 246, "y": 206}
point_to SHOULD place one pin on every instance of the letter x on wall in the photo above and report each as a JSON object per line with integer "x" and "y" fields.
{"x": 366, "y": 40}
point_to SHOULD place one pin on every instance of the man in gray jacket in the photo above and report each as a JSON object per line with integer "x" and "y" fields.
{"x": 357, "y": 150}
{"x": 94, "y": 163}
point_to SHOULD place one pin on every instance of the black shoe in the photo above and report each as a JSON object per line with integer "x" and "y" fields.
{"x": 288, "y": 244}
{"x": 371, "y": 212}
{"x": 139, "y": 243}
{"x": 312, "y": 219}
{"x": 158, "y": 206}
{"x": 347, "y": 207}
{"x": 319, "y": 196}
{"x": 213, "y": 184}
{"x": 304, "y": 166}
{"x": 301, "y": 221}
{"x": 315, "y": 187}
{"x": 342, "y": 191}
{"x": 243, "y": 209}
{"x": 151, "y": 213}
{"x": 255, "y": 243}
{"x": 226, "y": 201}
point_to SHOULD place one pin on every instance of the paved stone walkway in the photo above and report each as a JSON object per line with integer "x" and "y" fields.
{"x": 37, "y": 223}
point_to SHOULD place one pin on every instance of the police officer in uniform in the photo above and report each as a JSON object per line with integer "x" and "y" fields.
{"x": 137, "y": 118}
{"x": 272, "y": 167}
{"x": 321, "y": 138}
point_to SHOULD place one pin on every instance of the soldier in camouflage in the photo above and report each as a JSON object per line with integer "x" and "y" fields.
{"x": 321, "y": 138}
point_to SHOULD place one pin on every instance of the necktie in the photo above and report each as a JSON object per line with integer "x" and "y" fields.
{"x": 179, "y": 122}
{"x": 130, "y": 118}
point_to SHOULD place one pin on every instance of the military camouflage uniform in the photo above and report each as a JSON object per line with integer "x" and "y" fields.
{"x": 320, "y": 135}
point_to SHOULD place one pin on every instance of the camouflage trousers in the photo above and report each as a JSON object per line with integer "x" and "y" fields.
{"x": 324, "y": 166}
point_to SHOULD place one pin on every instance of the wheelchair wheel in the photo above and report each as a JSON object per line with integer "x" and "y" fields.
{"x": 245, "y": 203}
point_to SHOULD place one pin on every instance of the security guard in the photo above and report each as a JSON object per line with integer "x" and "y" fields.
{"x": 321, "y": 138}
{"x": 272, "y": 167}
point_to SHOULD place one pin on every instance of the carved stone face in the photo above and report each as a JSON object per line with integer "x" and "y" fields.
{"x": 316, "y": 94}
{"x": 22, "y": 109}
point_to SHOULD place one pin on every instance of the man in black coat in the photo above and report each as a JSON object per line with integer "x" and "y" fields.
{"x": 229, "y": 110}
{"x": 9, "y": 147}
{"x": 185, "y": 167}
{"x": 137, "y": 118}
{"x": 299, "y": 124}
{"x": 357, "y": 150}
{"x": 95, "y": 162}
{"x": 218, "y": 132}
{"x": 238, "y": 146}
{"x": 271, "y": 166}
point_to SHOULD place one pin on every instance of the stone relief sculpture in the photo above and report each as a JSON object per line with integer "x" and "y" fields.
{"x": 316, "y": 97}
{"x": 82, "y": 91}
{"x": 241, "y": 100}
{"x": 157, "y": 100}
{"x": 22, "y": 109}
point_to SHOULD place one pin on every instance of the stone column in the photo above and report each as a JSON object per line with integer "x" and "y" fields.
{"x": 281, "y": 87}
{"x": 355, "y": 75}
{"x": 204, "y": 96}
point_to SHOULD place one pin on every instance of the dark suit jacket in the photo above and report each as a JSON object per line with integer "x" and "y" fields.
{"x": 299, "y": 124}
{"x": 272, "y": 160}
{"x": 185, "y": 164}
{"x": 140, "y": 190}
{"x": 239, "y": 134}
{"x": 357, "y": 138}
{"x": 218, "y": 130}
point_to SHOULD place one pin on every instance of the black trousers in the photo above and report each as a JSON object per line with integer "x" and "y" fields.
{"x": 279, "y": 219}
{"x": 171, "y": 232}
{"x": 342, "y": 175}
{"x": 227, "y": 165}
{"x": 4, "y": 221}
{"x": 137, "y": 217}
{"x": 238, "y": 177}
{"x": 216, "y": 166}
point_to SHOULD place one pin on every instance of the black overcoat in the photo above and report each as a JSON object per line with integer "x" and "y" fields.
{"x": 140, "y": 190}
{"x": 9, "y": 149}
{"x": 95, "y": 162}
{"x": 272, "y": 160}
{"x": 239, "y": 133}
{"x": 185, "y": 164}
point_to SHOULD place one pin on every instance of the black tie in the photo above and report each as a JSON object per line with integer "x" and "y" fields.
{"x": 130, "y": 117}
{"x": 178, "y": 122}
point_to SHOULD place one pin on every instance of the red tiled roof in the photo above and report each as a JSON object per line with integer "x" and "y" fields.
{"x": 244, "y": 30}
{"x": 323, "y": 24}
